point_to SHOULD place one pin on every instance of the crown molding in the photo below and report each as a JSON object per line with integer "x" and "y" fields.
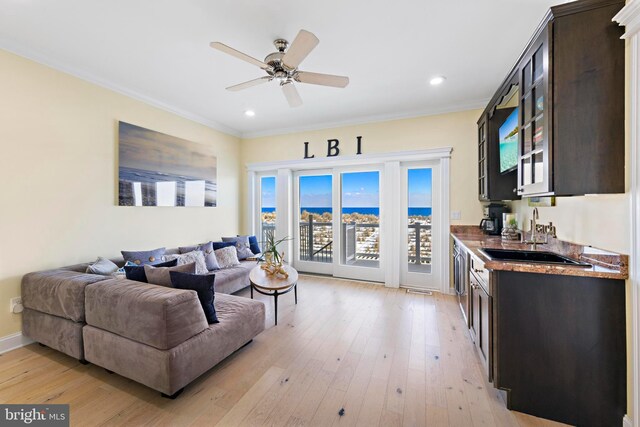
{"x": 93, "y": 79}
{"x": 629, "y": 17}
{"x": 473, "y": 105}
{"x": 88, "y": 77}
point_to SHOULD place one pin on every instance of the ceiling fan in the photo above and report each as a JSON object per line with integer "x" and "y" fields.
{"x": 283, "y": 67}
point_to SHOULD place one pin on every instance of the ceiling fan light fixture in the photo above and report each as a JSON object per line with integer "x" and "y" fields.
{"x": 437, "y": 80}
{"x": 250, "y": 113}
{"x": 282, "y": 66}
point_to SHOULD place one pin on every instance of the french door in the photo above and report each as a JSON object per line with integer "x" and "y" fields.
{"x": 384, "y": 221}
{"x": 313, "y": 214}
{"x": 338, "y": 226}
{"x": 419, "y": 224}
{"x": 357, "y": 197}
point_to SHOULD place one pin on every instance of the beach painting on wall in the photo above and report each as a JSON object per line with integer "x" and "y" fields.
{"x": 156, "y": 169}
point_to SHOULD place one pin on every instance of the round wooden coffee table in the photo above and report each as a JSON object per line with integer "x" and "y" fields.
{"x": 275, "y": 285}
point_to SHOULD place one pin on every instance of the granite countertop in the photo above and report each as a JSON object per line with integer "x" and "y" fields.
{"x": 605, "y": 264}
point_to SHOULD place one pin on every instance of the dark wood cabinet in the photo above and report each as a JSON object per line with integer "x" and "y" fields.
{"x": 474, "y": 321}
{"x": 493, "y": 185}
{"x": 461, "y": 278}
{"x": 480, "y": 316}
{"x": 534, "y": 150}
{"x": 570, "y": 80}
{"x": 483, "y": 187}
{"x": 560, "y": 346}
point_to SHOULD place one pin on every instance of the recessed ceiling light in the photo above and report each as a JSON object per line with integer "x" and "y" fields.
{"x": 249, "y": 113}
{"x": 435, "y": 81}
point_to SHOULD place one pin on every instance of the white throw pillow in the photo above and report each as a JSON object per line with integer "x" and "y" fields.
{"x": 227, "y": 257}
{"x": 188, "y": 258}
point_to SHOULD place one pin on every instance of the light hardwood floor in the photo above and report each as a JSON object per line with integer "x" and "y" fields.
{"x": 384, "y": 356}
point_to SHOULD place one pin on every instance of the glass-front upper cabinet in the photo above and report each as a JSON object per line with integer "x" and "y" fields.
{"x": 534, "y": 151}
{"x": 483, "y": 190}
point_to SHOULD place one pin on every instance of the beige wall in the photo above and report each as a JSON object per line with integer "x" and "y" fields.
{"x": 58, "y": 173}
{"x": 601, "y": 221}
{"x": 457, "y": 130}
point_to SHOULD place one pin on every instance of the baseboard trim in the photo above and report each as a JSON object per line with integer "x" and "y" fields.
{"x": 13, "y": 341}
{"x": 626, "y": 421}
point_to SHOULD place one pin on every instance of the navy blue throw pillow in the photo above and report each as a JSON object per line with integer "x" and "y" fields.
{"x": 253, "y": 244}
{"x": 220, "y": 245}
{"x": 136, "y": 272}
{"x": 203, "y": 285}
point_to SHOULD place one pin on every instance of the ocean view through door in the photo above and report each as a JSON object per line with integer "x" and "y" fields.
{"x": 357, "y": 195}
{"x": 419, "y": 187}
{"x": 380, "y": 221}
{"x": 267, "y": 224}
{"x": 337, "y": 229}
{"x": 313, "y": 212}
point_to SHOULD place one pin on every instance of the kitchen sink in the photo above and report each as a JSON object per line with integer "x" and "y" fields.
{"x": 538, "y": 257}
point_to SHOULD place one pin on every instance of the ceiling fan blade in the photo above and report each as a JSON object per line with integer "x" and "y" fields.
{"x": 292, "y": 95}
{"x": 322, "y": 79}
{"x": 250, "y": 83}
{"x": 302, "y": 45}
{"x": 231, "y": 51}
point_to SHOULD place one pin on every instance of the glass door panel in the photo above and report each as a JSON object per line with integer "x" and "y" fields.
{"x": 313, "y": 231}
{"x": 315, "y": 220}
{"x": 418, "y": 224}
{"x": 267, "y": 207}
{"x": 419, "y": 196}
{"x": 360, "y": 219}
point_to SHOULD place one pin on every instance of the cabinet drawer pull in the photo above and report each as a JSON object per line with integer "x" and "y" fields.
{"x": 477, "y": 270}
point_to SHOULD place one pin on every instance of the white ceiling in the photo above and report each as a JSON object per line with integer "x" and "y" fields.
{"x": 158, "y": 50}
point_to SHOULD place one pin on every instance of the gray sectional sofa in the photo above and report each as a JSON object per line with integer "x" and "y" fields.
{"x": 155, "y": 335}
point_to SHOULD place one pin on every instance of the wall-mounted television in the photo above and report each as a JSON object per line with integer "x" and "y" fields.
{"x": 508, "y": 134}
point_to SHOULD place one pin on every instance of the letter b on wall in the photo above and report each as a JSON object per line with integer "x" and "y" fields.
{"x": 332, "y": 147}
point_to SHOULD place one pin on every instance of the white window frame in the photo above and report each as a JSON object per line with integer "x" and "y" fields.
{"x": 390, "y": 162}
{"x": 629, "y": 16}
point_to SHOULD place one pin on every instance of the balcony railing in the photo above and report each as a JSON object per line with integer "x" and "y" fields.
{"x": 419, "y": 238}
{"x": 316, "y": 241}
{"x": 360, "y": 242}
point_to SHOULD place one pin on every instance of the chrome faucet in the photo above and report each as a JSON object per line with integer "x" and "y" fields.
{"x": 534, "y": 231}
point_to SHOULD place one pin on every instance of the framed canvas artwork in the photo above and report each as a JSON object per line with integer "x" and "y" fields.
{"x": 156, "y": 169}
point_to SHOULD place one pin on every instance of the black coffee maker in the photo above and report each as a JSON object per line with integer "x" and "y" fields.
{"x": 492, "y": 221}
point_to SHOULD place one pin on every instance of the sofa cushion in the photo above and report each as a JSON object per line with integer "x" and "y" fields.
{"x": 203, "y": 285}
{"x": 242, "y": 246}
{"x": 196, "y": 257}
{"x": 232, "y": 279}
{"x": 207, "y": 250}
{"x": 161, "y": 275}
{"x": 58, "y": 292}
{"x": 253, "y": 244}
{"x": 154, "y": 315}
{"x": 153, "y": 256}
{"x": 136, "y": 272}
{"x": 102, "y": 266}
{"x": 227, "y": 257}
{"x": 241, "y": 319}
{"x": 220, "y": 245}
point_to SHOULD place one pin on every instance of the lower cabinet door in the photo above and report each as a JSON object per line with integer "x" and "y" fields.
{"x": 485, "y": 320}
{"x": 474, "y": 316}
{"x": 480, "y": 328}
